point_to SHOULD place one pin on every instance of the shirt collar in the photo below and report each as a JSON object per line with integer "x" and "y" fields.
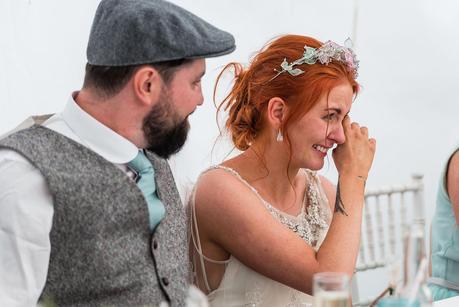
{"x": 96, "y": 136}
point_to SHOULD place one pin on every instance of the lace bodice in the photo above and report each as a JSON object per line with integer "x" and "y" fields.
{"x": 240, "y": 285}
{"x": 312, "y": 221}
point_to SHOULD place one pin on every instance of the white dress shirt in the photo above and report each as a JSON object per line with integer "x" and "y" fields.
{"x": 26, "y": 206}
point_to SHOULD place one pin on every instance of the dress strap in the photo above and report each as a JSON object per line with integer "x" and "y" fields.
{"x": 238, "y": 176}
{"x": 197, "y": 241}
{"x": 310, "y": 175}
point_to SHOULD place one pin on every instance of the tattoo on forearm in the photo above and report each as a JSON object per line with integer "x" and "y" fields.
{"x": 339, "y": 205}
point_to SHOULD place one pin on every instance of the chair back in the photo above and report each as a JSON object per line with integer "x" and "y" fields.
{"x": 387, "y": 217}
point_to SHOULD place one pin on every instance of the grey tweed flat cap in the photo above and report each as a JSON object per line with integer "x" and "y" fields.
{"x": 133, "y": 32}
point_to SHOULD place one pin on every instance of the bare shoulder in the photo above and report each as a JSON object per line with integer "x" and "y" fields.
{"x": 451, "y": 184}
{"x": 453, "y": 165}
{"x": 217, "y": 185}
{"x": 453, "y": 173}
{"x": 222, "y": 197}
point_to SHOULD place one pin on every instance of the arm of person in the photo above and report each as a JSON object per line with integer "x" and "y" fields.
{"x": 236, "y": 220}
{"x": 353, "y": 161}
{"x": 330, "y": 192}
{"x": 340, "y": 248}
{"x": 25, "y": 222}
{"x": 232, "y": 217}
{"x": 452, "y": 184}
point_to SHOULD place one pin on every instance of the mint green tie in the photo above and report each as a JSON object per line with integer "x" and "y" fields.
{"x": 147, "y": 185}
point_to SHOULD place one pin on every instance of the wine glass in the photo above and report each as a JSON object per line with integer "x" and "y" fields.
{"x": 331, "y": 289}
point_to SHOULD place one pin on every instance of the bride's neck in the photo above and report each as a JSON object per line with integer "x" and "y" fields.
{"x": 269, "y": 172}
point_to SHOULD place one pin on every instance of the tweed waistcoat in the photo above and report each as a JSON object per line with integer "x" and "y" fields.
{"x": 102, "y": 252}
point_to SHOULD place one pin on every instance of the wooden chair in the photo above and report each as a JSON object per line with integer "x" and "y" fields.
{"x": 388, "y": 214}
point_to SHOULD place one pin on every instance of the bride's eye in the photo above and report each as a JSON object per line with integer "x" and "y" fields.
{"x": 329, "y": 116}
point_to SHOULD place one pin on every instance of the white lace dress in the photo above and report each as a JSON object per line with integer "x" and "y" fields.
{"x": 242, "y": 286}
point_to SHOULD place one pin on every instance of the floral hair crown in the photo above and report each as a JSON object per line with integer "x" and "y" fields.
{"x": 328, "y": 52}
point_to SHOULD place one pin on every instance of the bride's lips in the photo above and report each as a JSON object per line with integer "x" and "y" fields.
{"x": 322, "y": 149}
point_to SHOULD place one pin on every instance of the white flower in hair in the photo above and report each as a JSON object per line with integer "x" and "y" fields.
{"x": 289, "y": 67}
{"x": 328, "y": 52}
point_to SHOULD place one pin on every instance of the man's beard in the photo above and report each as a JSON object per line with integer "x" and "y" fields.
{"x": 164, "y": 131}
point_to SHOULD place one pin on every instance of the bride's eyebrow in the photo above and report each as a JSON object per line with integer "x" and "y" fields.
{"x": 337, "y": 110}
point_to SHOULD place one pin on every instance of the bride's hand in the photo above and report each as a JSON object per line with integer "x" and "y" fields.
{"x": 355, "y": 155}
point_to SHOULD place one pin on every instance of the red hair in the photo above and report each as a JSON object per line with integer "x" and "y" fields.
{"x": 253, "y": 87}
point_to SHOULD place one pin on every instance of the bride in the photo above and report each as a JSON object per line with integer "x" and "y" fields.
{"x": 264, "y": 222}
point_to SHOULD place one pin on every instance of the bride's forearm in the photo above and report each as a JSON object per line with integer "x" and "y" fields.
{"x": 339, "y": 250}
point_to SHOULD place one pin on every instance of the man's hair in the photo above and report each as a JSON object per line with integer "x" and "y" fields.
{"x": 108, "y": 81}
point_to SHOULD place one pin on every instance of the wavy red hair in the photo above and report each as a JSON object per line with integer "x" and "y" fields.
{"x": 253, "y": 87}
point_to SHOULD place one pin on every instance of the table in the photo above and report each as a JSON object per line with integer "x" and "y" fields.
{"x": 447, "y": 302}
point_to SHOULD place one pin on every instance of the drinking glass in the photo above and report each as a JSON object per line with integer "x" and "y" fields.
{"x": 331, "y": 290}
{"x": 396, "y": 302}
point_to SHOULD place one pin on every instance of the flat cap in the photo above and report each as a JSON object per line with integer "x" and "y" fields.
{"x": 133, "y": 32}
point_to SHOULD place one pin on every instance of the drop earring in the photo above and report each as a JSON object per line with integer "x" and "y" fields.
{"x": 279, "y": 137}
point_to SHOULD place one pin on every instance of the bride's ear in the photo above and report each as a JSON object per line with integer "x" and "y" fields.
{"x": 277, "y": 111}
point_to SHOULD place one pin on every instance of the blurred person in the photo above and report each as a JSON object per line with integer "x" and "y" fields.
{"x": 264, "y": 222}
{"x": 89, "y": 211}
{"x": 444, "y": 280}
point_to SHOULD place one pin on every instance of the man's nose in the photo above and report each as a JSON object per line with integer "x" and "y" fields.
{"x": 201, "y": 98}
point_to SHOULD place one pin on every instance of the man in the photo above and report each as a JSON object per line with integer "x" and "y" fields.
{"x": 89, "y": 211}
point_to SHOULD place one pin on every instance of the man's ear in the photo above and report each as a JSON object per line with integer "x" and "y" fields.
{"x": 147, "y": 85}
{"x": 277, "y": 111}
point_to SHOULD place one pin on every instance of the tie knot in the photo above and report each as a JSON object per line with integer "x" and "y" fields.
{"x": 141, "y": 164}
